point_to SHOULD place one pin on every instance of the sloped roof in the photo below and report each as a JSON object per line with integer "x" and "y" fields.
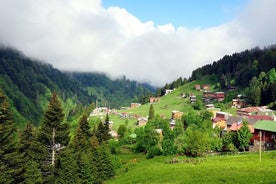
{"x": 266, "y": 125}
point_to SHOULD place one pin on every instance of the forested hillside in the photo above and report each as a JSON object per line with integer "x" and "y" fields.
{"x": 29, "y": 84}
{"x": 238, "y": 69}
{"x": 112, "y": 93}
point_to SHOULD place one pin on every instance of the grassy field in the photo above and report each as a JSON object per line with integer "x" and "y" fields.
{"x": 238, "y": 168}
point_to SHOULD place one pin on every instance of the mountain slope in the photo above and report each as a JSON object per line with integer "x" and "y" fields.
{"x": 29, "y": 83}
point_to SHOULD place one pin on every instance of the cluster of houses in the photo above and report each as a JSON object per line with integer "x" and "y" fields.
{"x": 261, "y": 122}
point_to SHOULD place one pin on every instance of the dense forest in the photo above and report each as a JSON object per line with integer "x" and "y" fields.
{"x": 238, "y": 69}
{"x": 29, "y": 84}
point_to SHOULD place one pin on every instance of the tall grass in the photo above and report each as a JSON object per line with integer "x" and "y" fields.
{"x": 239, "y": 168}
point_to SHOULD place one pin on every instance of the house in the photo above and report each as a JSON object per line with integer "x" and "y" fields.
{"x": 192, "y": 98}
{"x": 168, "y": 91}
{"x": 210, "y": 106}
{"x": 197, "y": 87}
{"x": 237, "y": 120}
{"x": 154, "y": 99}
{"x": 249, "y": 111}
{"x": 142, "y": 121}
{"x": 219, "y": 96}
{"x": 206, "y": 87}
{"x": 134, "y": 105}
{"x": 236, "y": 126}
{"x": 238, "y": 103}
{"x": 220, "y": 120}
{"x": 176, "y": 115}
{"x": 262, "y": 117}
{"x": 172, "y": 124}
{"x": 208, "y": 94}
{"x": 267, "y": 130}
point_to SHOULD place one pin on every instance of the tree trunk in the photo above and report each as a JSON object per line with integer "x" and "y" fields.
{"x": 53, "y": 146}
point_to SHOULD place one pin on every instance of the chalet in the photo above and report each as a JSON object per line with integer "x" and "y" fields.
{"x": 192, "y": 98}
{"x": 238, "y": 120}
{"x": 206, "y": 87}
{"x": 238, "y": 103}
{"x": 267, "y": 130}
{"x": 219, "y": 96}
{"x": 172, "y": 124}
{"x": 236, "y": 126}
{"x": 142, "y": 121}
{"x": 197, "y": 87}
{"x": 208, "y": 94}
{"x": 220, "y": 120}
{"x": 176, "y": 115}
{"x": 251, "y": 111}
{"x": 168, "y": 91}
{"x": 134, "y": 105}
{"x": 210, "y": 106}
{"x": 154, "y": 99}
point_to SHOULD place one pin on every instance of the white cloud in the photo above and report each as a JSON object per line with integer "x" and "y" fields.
{"x": 82, "y": 35}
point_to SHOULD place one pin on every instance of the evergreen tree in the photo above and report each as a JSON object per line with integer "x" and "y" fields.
{"x": 53, "y": 133}
{"x": 102, "y": 132}
{"x": 9, "y": 168}
{"x": 83, "y": 135}
{"x": 107, "y": 136}
{"x": 33, "y": 153}
{"x": 151, "y": 112}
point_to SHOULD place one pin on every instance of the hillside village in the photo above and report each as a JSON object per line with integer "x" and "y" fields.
{"x": 261, "y": 120}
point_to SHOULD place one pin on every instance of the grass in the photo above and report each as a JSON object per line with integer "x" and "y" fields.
{"x": 238, "y": 168}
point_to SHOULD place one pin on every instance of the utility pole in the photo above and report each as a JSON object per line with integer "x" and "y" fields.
{"x": 260, "y": 134}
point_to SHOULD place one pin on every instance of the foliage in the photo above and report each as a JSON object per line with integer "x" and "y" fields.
{"x": 33, "y": 153}
{"x": 244, "y": 136}
{"x": 151, "y": 112}
{"x": 9, "y": 168}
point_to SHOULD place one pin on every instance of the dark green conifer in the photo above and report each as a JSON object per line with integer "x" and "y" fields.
{"x": 83, "y": 134}
{"x": 32, "y": 153}
{"x": 9, "y": 160}
{"x": 53, "y": 134}
{"x": 151, "y": 112}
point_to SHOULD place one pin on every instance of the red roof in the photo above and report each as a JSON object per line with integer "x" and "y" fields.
{"x": 262, "y": 117}
{"x": 217, "y": 119}
{"x": 236, "y": 127}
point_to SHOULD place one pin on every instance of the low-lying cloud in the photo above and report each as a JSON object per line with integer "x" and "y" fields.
{"x": 83, "y": 36}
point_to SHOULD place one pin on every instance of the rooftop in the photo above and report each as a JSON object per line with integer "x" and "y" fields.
{"x": 266, "y": 125}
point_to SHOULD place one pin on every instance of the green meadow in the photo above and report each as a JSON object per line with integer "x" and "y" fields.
{"x": 238, "y": 168}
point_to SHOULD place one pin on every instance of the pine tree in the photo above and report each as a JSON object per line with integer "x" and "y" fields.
{"x": 102, "y": 132}
{"x": 9, "y": 171}
{"x": 53, "y": 133}
{"x": 83, "y": 135}
{"x": 151, "y": 112}
{"x": 107, "y": 136}
{"x": 33, "y": 153}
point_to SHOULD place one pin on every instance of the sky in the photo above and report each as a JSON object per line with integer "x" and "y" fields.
{"x": 154, "y": 41}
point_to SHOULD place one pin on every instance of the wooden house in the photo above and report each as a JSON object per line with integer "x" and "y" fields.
{"x": 134, "y": 105}
{"x": 239, "y": 103}
{"x": 177, "y": 115}
{"x": 142, "y": 121}
{"x": 265, "y": 131}
{"x": 219, "y": 96}
{"x": 154, "y": 99}
{"x": 197, "y": 87}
